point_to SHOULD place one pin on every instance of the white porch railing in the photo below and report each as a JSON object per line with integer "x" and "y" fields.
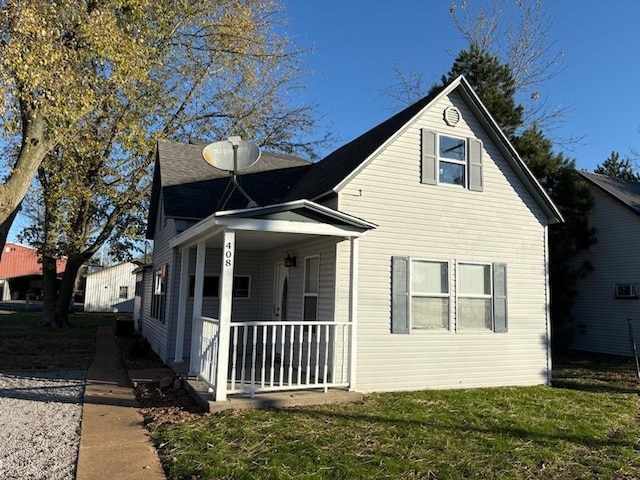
{"x": 204, "y": 348}
{"x": 273, "y": 356}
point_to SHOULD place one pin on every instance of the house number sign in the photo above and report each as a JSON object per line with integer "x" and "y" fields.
{"x": 228, "y": 254}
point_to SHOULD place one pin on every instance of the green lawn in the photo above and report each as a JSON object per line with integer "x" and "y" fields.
{"x": 585, "y": 427}
{"x": 24, "y": 344}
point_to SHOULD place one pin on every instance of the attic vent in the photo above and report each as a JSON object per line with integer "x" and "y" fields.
{"x": 626, "y": 291}
{"x": 451, "y": 116}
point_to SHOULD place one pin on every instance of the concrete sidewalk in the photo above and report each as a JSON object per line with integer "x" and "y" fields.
{"x": 114, "y": 442}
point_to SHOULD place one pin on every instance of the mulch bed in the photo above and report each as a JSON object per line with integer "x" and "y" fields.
{"x": 158, "y": 405}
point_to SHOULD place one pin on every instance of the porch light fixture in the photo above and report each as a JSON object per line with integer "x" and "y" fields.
{"x": 290, "y": 259}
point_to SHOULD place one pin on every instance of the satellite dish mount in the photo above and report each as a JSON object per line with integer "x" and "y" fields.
{"x": 232, "y": 155}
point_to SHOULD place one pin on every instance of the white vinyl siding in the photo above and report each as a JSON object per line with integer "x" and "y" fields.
{"x": 503, "y": 224}
{"x": 111, "y": 289}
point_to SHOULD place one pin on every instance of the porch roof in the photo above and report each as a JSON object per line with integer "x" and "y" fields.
{"x": 273, "y": 225}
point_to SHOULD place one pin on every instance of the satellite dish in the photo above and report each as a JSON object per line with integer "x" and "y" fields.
{"x": 231, "y": 155}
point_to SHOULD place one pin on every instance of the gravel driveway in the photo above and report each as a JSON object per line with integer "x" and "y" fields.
{"x": 40, "y": 416}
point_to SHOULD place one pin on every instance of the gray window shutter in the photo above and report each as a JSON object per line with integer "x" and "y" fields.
{"x": 429, "y": 167}
{"x": 500, "y": 297}
{"x": 475, "y": 165}
{"x": 400, "y": 302}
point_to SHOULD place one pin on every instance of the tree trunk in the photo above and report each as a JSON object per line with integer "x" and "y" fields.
{"x": 4, "y": 229}
{"x": 64, "y": 300}
{"x": 50, "y": 314}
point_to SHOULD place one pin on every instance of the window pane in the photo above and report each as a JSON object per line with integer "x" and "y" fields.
{"x": 310, "y": 308}
{"x": 474, "y": 313}
{"x": 311, "y": 275}
{"x": 452, "y": 173}
{"x": 453, "y": 148}
{"x": 429, "y": 277}
{"x": 430, "y": 313}
{"x": 240, "y": 287}
{"x": 475, "y": 279}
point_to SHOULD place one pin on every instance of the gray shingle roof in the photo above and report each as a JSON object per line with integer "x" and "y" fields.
{"x": 624, "y": 191}
{"x": 192, "y": 189}
{"x": 323, "y": 176}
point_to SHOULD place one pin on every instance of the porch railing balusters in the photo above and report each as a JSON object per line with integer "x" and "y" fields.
{"x": 234, "y": 358}
{"x": 313, "y": 354}
{"x": 291, "y": 358}
{"x": 309, "y": 330}
{"x": 300, "y": 336}
{"x": 264, "y": 355}
{"x": 326, "y": 358}
{"x": 243, "y": 359}
{"x": 254, "y": 332}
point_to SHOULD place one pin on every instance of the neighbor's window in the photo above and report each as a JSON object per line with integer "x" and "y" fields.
{"x": 124, "y": 292}
{"x": 429, "y": 295}
{"x": 474, "y": 297}
{"x": 452, "y": 161}
{"x": 311, "y": 281}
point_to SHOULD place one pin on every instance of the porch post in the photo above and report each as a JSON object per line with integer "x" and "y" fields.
{"x": 353, "y": 311}
{"x": 197, "y": 302}
{"x": 182, "y": 305}
{"x": 226, "y": 300}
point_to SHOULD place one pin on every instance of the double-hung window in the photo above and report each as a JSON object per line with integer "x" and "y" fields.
{"x": 429, "y": 295}
{"x": 451, "y": 160}
{"x": 474, "y": 297}
{"x": 159, "y": 292}
{"x": 424, "y": 296}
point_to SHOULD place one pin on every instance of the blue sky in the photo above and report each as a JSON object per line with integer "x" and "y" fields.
{"x": 357, "y": 44}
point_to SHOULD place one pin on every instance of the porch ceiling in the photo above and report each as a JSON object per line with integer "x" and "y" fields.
{"x": 252, "y": 240}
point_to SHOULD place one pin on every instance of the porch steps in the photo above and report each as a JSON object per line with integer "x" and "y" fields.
{"x": 264, "y": 400}
{"x": 199, "y": 390}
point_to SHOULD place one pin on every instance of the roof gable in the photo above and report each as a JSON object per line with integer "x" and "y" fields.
{"x": 334, "y": 171}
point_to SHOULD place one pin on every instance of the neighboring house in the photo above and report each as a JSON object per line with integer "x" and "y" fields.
{"x": 21, "y": 272}
{"x": 413, "y": 257}
{"x": 609, "y": 295}
{"x": 111, "y": 289}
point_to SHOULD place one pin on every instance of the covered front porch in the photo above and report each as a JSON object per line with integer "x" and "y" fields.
{"x": 278, "y": 323}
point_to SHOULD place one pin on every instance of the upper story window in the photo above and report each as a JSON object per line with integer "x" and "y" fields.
{"x": 451, "y": 160}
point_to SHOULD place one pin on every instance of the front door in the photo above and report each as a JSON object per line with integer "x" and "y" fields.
{"x": 280, "y": 290}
